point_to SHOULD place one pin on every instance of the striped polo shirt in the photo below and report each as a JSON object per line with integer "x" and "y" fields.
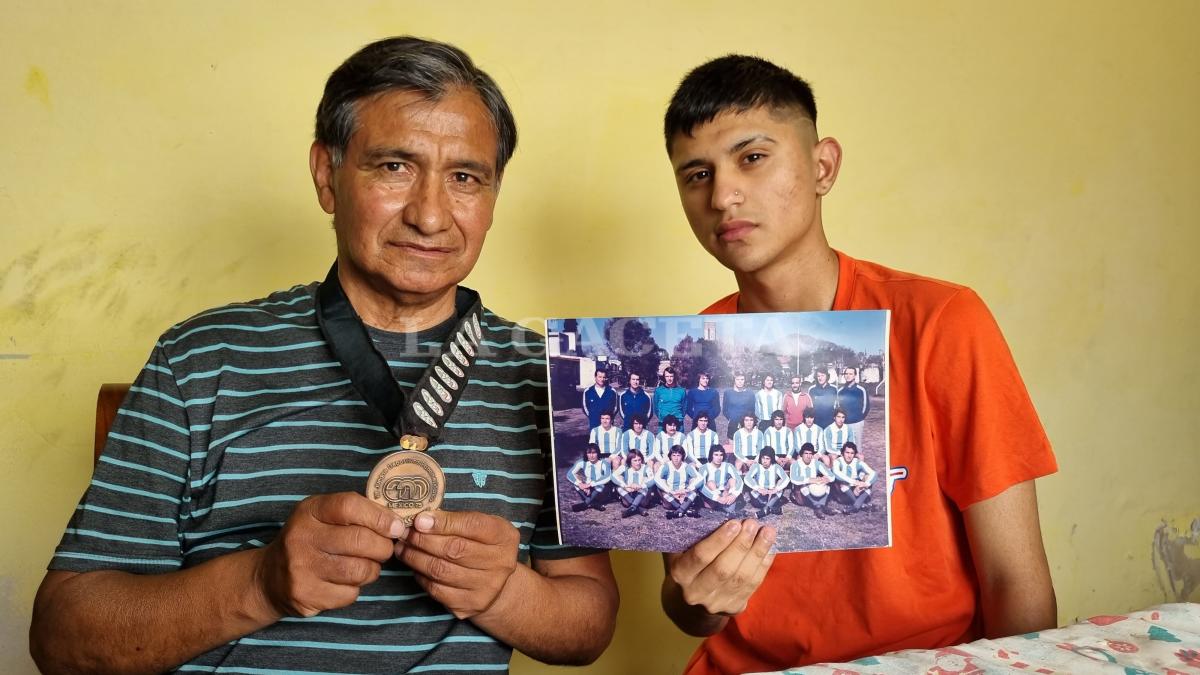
{"x": 243, "y": 411}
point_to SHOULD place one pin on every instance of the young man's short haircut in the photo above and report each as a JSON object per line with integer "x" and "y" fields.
{"x": 767, "y": 451}
{"x": 849, "y": 445}
{"x": 676, "y": 450}
{"x": 638, "y": 419}
{"x": 749, "y": 416}
{"x": 638, "y": 454}
{"x": 778, "y": 415}
{"x": 808, "y": 447}
{"x": 839, "y": 411}
{"x": 702, "y": 415}
{"x": 734, "y": 83}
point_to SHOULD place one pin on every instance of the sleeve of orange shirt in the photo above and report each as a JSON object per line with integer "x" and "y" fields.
{"x": 983, "y": 419}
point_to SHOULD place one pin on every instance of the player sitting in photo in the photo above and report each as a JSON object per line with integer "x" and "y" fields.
{"x": 606, "y": 436}
{"x": 700, "y": 440}
{"x": 590, "y": 476}
{"x": 747, "y": 441}
{"x": 677, "y": 483}
{"x": 669, "y": 437}
{"x": 636, "y": 437}
{"x": 767, "y": 481}
{"x": 722, "y": 487}
{"x": 635, "y": 485}
{"x": 854, "y": 479}
{"x": 810, "y": 482}
{"x": 780, "y": 438}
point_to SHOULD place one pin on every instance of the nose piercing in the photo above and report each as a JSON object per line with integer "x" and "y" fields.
{"x": 736, "y": 193}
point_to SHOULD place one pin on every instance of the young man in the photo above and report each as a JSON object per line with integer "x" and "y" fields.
{"x": 752, "y": 173}
{"x": 677, "y": 482}
{"x": 699, "y": 440}
{"x": 599, "y": 399}
{"x": 824, "y": 399}
{"x": 778, "y": 436}
{"x": 590, "y": 477}
{"x": 767, "y": 481}
{"x": 738, "y": 401}
{"x": 669, "y": 398}
{"x": 837, "y": 434}
{"x": 809, "y": 432}
{"x": 746, "y": 442}
{"x": 795, "y": 402}
{"x": 810, "y": 482}
{"x": 702, "y": 399}
{"x": 722, "y": 485}
{"x": 767, "y": 400}
{"x": 637, "y": 437}
{"x": 855, "y": 401}
{"x": 606, "y": 436}
{"x": 635, "y": 485}
{"x": 854, "y": 479}
{"x": 669, "y": 437}
{"x": 634, "y": 401}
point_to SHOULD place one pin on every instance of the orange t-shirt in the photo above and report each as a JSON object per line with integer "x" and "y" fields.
{"x": 962, "y": 429}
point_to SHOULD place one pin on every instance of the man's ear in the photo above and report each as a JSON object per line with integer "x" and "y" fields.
{"x": 320, "y": 163}
{"x": 827, "y": 159}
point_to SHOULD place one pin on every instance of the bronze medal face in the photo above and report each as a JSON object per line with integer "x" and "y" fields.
{"x": 408, "y": 483}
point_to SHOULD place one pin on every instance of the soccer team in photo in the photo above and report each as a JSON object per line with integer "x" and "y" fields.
{"x": 775, "y": 451}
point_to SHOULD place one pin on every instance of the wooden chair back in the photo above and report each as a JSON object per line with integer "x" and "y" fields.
{"x": 107, "y": 403}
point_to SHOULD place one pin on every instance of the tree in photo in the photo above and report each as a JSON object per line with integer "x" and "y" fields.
{"x": 632, "y": 342}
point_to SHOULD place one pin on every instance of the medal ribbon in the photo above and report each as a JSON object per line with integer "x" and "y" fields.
{"x": 441, "y": 385}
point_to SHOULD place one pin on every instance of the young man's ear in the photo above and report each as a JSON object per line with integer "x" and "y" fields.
{"x": 827, "y": 158}
{"x": 320, "y": 164}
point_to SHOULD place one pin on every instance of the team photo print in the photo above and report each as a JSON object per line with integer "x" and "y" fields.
{"x": 666, "y": 427}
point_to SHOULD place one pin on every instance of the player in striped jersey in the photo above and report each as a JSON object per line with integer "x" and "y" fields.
{"x": 810, "y": 482}
{"x": 607, "y": 437}
{"x": 699, "y": 440}
{"x": 779, "y": 437}
{"x": 590, "y": 476}
{"x": 809, "y": 432}
{"x": 767, "y": 400}
{"x": 746, "y": 442}
{"x": 635, "y": 485}
{"x": 837, "y": 435}
{"x": 722, "y": 485}
{"x": 636, "y": 437}
{"x": 854, "y": 479}
{"x": 677, "y": 483}
{"x": 668, "y": 438}
{"x": 767, "y": 482}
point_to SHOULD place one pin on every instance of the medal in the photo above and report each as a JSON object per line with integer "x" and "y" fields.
{"x": 408, "y": 481}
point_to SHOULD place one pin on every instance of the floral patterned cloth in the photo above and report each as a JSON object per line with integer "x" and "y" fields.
{"x": 1163, "y": 640}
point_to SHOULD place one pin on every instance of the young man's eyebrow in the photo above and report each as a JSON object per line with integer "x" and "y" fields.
{"x": 737, "y": 147}
{"x": 690, "y": 164}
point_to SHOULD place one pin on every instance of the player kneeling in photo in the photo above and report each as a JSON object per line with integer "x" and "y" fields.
{"x": 722, "y": 487}
{"x": 590, "y": 476}
{"x": 635, "y": 485}
{"x": 854, "y": 479}
{"x": 810, "y": 482}
{"x": 767, "y": 481}
{"x": 677, "y": 483}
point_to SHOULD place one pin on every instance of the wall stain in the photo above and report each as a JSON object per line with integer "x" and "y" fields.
{"x": 1177, "y": 571}
{"x": 38, "y": 86}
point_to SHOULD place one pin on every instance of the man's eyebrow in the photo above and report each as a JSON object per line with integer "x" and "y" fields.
{"x": 381, "y": 153}
{"x": 375, "y": 154}
{"x": 472, "y": 165}
{"x": 737, "y": 147}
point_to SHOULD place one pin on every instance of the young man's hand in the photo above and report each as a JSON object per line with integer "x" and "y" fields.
{"x": 720, "y": 572}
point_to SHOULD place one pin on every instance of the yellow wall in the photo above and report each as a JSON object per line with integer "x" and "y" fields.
{"x": 153, "y": 163}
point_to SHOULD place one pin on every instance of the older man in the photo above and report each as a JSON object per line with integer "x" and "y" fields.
{"x": 226, "y": 523}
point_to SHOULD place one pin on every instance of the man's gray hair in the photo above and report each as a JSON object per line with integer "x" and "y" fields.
{"x": 407, "y": 63}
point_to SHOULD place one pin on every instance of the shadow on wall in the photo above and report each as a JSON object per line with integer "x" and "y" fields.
{"x": 1177, "y": 571}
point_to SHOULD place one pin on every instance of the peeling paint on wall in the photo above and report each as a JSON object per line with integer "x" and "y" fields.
{"x": 37, "y": 86}
{"x": 1177, "y": 561}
